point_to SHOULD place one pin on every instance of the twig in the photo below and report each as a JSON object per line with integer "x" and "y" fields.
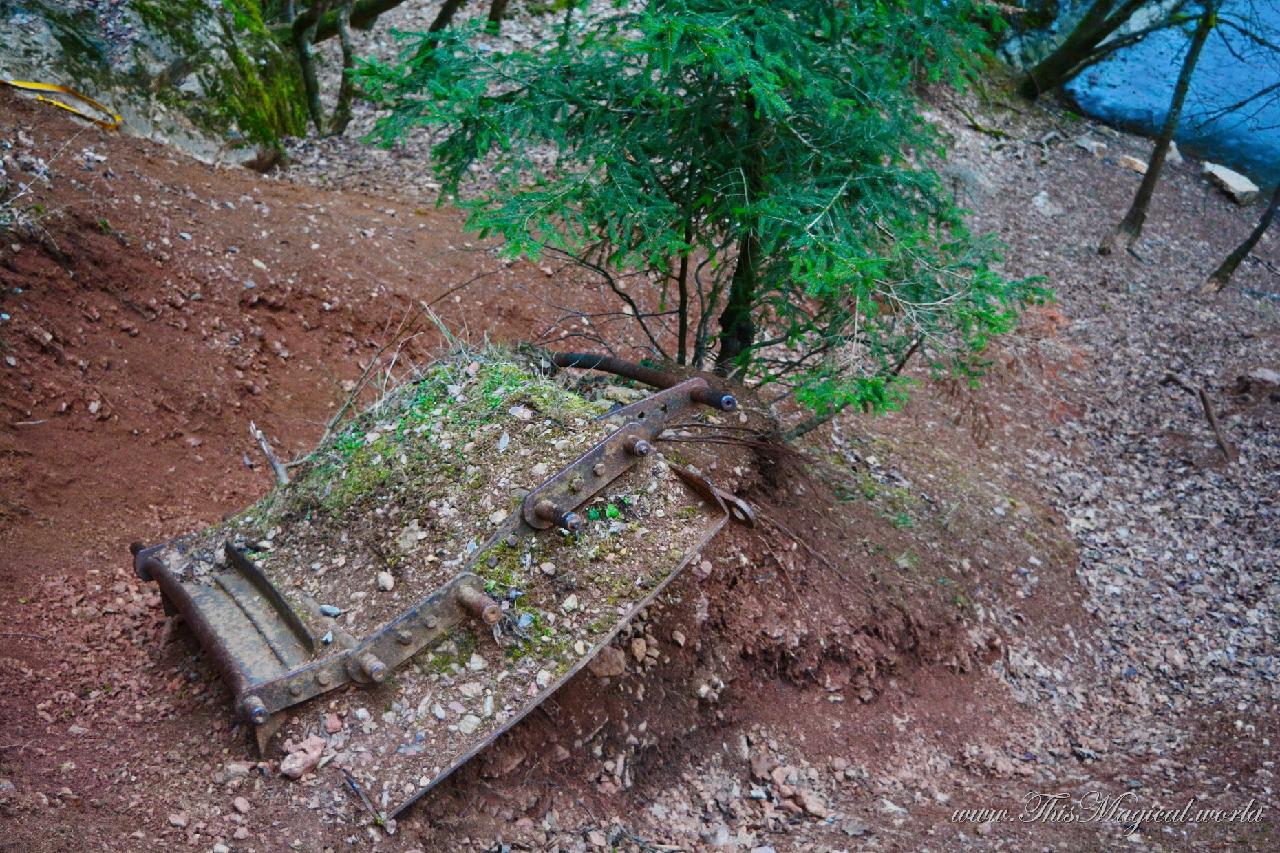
{"x": 24, "y": 635}
{"x": 1228, "y": 452}
{"x": 406, "y": 325}
{"x": 364, "y": 798}
{"x": 282, "y": 475}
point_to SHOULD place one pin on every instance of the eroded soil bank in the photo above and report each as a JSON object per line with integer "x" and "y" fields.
{"x": 1054, "y": 583}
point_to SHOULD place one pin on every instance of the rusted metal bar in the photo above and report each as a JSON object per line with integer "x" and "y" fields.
{"x": 479, "y": 605}
{"x": 705, "y": 394}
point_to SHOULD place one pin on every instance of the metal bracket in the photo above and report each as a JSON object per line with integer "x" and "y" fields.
{"x": 552, "y": 504}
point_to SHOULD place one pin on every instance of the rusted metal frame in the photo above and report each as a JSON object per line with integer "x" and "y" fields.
{"x": 150, "y": 567}
{"x": 250, "y": 569}
{"x": 423, "y": 624}
{"x": 553, "y": 503}
{"x": 583, "y": 660}
{"x": 703, "y": 393}
{"x": 369, "y": 661}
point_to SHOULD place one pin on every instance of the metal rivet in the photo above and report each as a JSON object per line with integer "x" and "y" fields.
{"x": 322, "y": 678}
{"x": 295, "y": 689}
{"x": 430, "y": 621}
{"x": 598, "y": 469}
{"x": 404, "y": 638}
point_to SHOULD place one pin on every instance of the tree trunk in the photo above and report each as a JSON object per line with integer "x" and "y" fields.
{"x": 346, "y": 90}
{"x": 682, "y": 314}
{"x": 363, "y": 16}
{"x": 497, "y": 10}
{"x": 737, "y": 327}
{"x": 1130, "y": 228}
{"x": 1222, "y": 275}
{"x": 1056, "y": 68}
{"x": 304, "y": 29}
{"x": 445, "y": 16}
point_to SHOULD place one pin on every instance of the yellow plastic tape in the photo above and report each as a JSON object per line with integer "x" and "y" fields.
{"x": 112, "y": 122}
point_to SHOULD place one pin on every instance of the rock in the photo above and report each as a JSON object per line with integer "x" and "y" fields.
{"x": 241, "y": 833}
{"x": 302, "y": 757}
{"x": 1264, "y": 376}
{"x": 548, "y": 569}
{"x": 468, "y": 724}
{"x": 812, "y": 803}
{"x": 762, "y": 765}
{"x": 543, "y": 678}
{"x": 890, "y": 807}
{"x": 330, "y": 611}
{"x": 678, "y": 638}
{"x": 1174, "y": 156}
{"x": 1044, "y": 204}
{"x": 477, "y": 663}
{"x": 639, "y": 648}
{"x": 1096, "y": 147}
{"x": 1133, "y": 164}
{"x": 386, "y": 582}
{"x": 236, "y": 769}
{"x": 471, "y": 690}
{"x": 764, "y": 849}
{"x": 221, "y": 848}
{"x": 609, "y": 663}
{"x": 570, "y": 604}
{"x": 407, "y": 541}
{"x": 1237, "y": 186}
{"x": 333, "y": 724}
{"x": 241, "y": 805}
{"x": 179, "y": 819}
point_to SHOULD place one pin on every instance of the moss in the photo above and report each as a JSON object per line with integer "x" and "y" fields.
{"x": 249, "y": 79}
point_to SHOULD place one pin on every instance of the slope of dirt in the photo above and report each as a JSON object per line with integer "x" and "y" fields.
{"x": 914, "y": 628}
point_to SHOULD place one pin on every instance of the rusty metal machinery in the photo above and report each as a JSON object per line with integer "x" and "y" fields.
{"x": 278, "y": 646}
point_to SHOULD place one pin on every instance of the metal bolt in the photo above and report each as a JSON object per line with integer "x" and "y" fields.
{"x": 549, "y": 512}
{"x": 479, "y": 605}
{"x": 430, "y": 621}
{"x": 638, "y": 446}
{"x": 598, "y": 469}
{"x": 575, "y": 483}
{"x": 322, "y": 678}
{"x": 371, "y": 668}
{"x": 295, "y": 689}
{"x": 255, "y": 710}
{"x": 403, "y": 637}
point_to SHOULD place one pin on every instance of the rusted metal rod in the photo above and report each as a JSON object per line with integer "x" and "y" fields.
{"x": 649, "y": 376}
{"x": 479, "y": 605}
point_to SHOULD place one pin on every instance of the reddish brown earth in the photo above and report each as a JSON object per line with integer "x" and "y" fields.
{"x": 826, "y": 671}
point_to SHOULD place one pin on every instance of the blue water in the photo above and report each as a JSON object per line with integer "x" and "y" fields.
{"x": 1132, "y": 89}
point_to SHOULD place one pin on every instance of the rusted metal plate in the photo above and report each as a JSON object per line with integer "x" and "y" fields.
{"x": 436, "y": 587}
{"x": 449, "y": 702}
